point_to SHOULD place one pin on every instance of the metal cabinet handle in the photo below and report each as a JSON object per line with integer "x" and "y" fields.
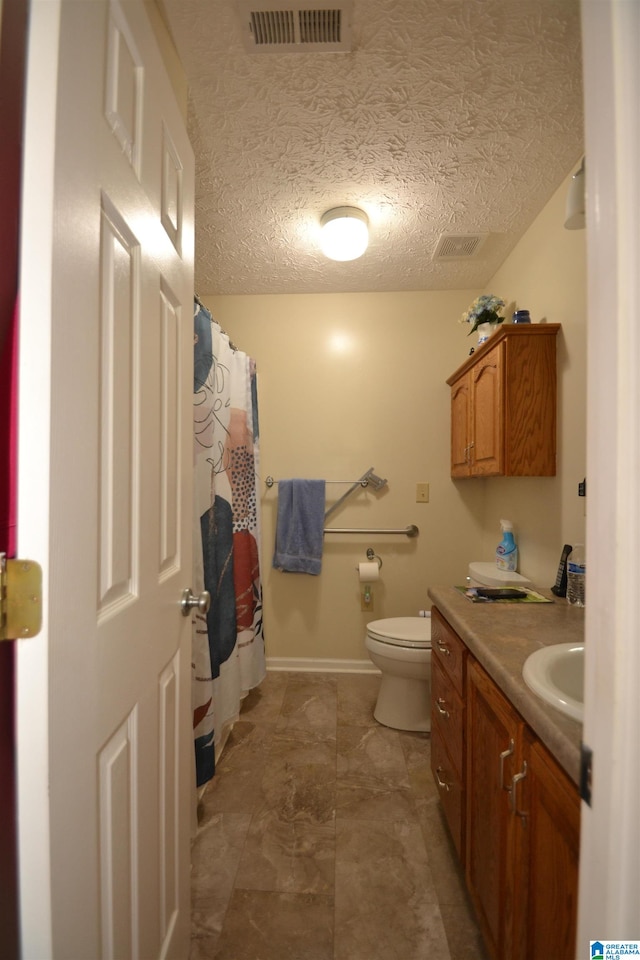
{"x": 441, "y": 783}
{"x": 515, "y": 780}
{"x": 503, "y": 756}
{"x": 440, "y": 708}
{"x": 444, "y": 649}
{"x": 189, "y": 600}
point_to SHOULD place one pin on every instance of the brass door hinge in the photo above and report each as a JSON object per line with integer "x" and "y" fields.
{"x": 20, "y": 598}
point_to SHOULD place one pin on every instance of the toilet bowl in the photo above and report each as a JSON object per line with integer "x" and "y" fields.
{"x": 400, "y": 648}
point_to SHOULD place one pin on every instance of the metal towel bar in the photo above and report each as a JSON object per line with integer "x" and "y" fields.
{"x": 410, "y": 531}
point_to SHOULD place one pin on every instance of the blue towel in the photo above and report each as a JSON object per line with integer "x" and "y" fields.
{"x": 300, "y": 526}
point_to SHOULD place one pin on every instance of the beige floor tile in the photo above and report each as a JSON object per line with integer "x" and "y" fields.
{"x": 357, "y": 695}
{"x": 373, "y": 782}
{"x": 309, "y": 702}
{"x": 313, "y": 798}
{"x": 264, "y": 703}
{"x": 289, "y": 857}
{"x": 277, "y": 926}
{"x": 216, "y": 855}
{"x": 386, "y": 905}
{"x": 294, "y": 746}
{"x": 463, "y": 936}
{"x": 203, "y": 948}
{"x": 304, "y": 792}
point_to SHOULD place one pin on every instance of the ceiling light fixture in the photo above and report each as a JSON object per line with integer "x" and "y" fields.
{"x": 575, "y": 212}
{"x": 344, "y": 233}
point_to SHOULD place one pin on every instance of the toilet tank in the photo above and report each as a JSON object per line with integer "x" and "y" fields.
{"x": 486, "y": 574}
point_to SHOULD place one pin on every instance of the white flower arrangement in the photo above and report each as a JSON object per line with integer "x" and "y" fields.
{"x": 483, "y": 310}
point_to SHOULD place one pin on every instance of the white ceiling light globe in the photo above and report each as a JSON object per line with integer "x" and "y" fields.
{"x": 344, "y": 233}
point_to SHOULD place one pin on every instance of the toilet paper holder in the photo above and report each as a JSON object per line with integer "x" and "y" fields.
{"x": 371, "y": 555}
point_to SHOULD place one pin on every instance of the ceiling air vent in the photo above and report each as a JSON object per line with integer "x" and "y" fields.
{"x": 311, "y": 26}
{"x": 458, "y": 247}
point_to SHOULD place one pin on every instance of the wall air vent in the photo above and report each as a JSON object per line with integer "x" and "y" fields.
{"x": 311, "y": 26}
{"x": 459, "y": 247}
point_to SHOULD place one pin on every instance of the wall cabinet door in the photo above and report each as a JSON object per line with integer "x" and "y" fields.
{"x": 476, "y": 420}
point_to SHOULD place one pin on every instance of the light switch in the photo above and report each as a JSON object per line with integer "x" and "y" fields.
{"x": 422, "y": 493}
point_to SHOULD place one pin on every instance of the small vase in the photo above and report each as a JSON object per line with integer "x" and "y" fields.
{"x": 485, "y": 330}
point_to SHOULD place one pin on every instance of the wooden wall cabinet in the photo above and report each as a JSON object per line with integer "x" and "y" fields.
{"x": 513, "y": 813}
{"x": 503, "y": 405}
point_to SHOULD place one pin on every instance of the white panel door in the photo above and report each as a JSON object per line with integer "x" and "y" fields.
{"x": 106, "y": 493}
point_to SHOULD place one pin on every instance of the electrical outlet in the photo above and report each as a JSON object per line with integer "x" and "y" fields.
{"x": 366, "y": 600}
{"x": 422, "y": 493}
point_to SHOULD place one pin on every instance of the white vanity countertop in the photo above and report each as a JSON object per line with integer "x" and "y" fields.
{"x": 501, "y": 636}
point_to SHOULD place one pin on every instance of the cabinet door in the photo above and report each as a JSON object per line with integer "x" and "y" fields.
{"x": 548, "y": 911}
{"x": 460, "y": 427}
{"x": 487, "y": 416}
{"x": 494, "y": 755}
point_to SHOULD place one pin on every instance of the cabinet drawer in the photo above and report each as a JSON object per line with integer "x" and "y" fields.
{"x": 447, "y": 714}
{"x": 449, "y": 790}
{"x": 448, "y": 650}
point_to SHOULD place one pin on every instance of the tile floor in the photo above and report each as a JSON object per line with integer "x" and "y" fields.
{"x": 321, "y": 836}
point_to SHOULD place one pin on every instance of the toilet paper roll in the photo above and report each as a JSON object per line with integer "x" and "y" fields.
{"x": 368, "y": 572}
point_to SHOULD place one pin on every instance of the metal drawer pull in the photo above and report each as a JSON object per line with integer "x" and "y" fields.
{"x": 441, "y": 710}
{"x": 503, "y": 756}
{"x": 441, "y": 783}
{"x": 515, "y": 780}
{"x": 444, "y": 649}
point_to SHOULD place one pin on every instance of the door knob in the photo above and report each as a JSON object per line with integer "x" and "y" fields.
{"x": 189, "y": 600}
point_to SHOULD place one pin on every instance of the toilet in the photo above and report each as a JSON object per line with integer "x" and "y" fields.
{"x": 401, "y": 649}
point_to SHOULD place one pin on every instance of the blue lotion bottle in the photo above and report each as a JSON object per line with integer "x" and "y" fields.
{"x": 507, "y": 551}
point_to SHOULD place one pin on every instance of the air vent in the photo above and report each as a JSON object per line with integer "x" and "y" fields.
{"x": 310, "y": 26}
{"x": 458, "y": 247}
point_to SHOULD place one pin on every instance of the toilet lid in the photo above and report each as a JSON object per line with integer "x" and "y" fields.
{"x": 402, "y": 631}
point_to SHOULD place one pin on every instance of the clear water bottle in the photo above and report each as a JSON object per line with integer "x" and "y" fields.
{"x": 576, "y": 576}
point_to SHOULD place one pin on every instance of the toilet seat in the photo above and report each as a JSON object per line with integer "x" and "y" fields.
{"x": 402, "y": 632}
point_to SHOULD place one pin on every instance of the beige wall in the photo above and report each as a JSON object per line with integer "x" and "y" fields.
{"x": 350, "y": 381}
{"x": 546, "y": 274}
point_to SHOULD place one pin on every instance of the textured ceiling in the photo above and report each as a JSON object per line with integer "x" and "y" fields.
{"x": 447, "y": 117}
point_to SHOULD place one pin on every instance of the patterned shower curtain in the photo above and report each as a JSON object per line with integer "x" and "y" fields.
{"x": 228, "y": 646}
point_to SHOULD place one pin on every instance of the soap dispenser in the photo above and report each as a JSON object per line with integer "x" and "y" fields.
{"x": 507, "y": 551}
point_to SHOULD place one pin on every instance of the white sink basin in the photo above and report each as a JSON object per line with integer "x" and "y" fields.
{"x": 557, "y": 675}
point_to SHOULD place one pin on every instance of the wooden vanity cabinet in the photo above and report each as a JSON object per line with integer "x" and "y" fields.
{"x": 495, "y": 837}
{"x": 522, "y": 831}
{"x": 448, "y": 669}
{"x": 548, "y": 909}
{"x": 503, "y": 405}
{"x": 513, "y": 813}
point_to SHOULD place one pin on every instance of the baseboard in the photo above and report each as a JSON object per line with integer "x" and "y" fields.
{"x": 319, "y": 665}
